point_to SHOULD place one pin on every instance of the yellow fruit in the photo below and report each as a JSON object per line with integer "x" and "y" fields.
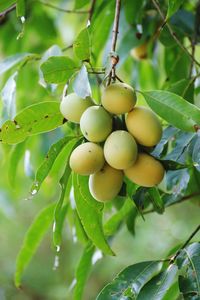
{"x": 72, "y": 107}
{"x": 118, "y": 98}
{"x": 140, "y": 52}
{"x": 87, "y": 159}
{"x": 144, "y": 125}
{"x": 105, "y": 184}
{"x": 147, "y": 171}
{"x": 96, "y": 124}
{"x": 120, "y": 150}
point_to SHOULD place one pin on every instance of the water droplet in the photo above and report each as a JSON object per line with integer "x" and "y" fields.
{"x": 56, "y": 262}
{"x": 23, "y": 19}
{"x": 72, "y": 199}
{"x": 57, "y": 248}
{"x": 54, "y": 226}
{"x": 74, "y": 237}
{"x": 72, "y": 285}
{"x": 33, "y": 192}
{"x": 96, "y": 256}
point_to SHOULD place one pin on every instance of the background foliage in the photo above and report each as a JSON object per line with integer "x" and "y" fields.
{"x": 58, "y": 237}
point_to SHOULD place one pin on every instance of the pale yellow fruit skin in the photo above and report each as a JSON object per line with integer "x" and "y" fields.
{"x": 106, "y": 184}
{"x": 118, "y": 98}
{"x": 147, "y": 171}
{"x": 144, "y": 125}
{"x": 72, "y": 107}
{"x": 96, "y": 124}
{"x": 87, "y": 159}
{"x": 140, "y": 52}
{"x": 120, "y": 150}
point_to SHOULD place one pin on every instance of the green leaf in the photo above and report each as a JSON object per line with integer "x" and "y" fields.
{"x": 82, "y": 271}
{"x": 16, "y": 155}
{"x": 80, "y": 3}
{"x": 48, "y": 162}
{"x": 133, "y": 277}
{"x": 114, "y": 222}
{"x": 130, "y": 221}
{"x": 13, "y": 60}
{"x": 90, "y": 213}
{"x": 4, "y": 4}
{"x": 156, "y": 199}
{"x": 173, "y": 6}
{"x": 60, "y": 211}
{"x": 158, "y": 286}
{"x": 32, "y": 240}
{"x": 174, "y": 109}
{"x": 133, "y": 10}
{"x": 82, "y": 46}
{"x": 34, "y": 119}
{"x": 80, "y": 233}
{"x": 58, "y": 69}
{"x": 20, "y": 8}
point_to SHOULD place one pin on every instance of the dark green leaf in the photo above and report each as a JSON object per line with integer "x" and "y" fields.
{"x": 158, "y": 286}
{"x": 177, "y": 181}
{"x": 196, "y": 152}
{"x": 156, "y": 199}
{"x": 133, "y": 10}
{"x": 82, "y": 46}
{"x": 4, "y": 4}
{"x": 184, "y": 88}
{"x": 173, "y": 6}
{"x": 82, "y": 271}
{"x": 130, "y": 221}
{"x": 32, "y": 240}
{"x": 34, "y": 119}
{"x": 90, "y": 213}
{"x": 15, "y": 157}
{"x": 173, "y": 109}
{"x": 58, "y": 69}
{"x": 133, "y": 277}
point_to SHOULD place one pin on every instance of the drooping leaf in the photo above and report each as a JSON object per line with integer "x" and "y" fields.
{"x": 158, "y": 286}
{"x": 173, "y": 6}
{"x": 82, "y": 271}
{"x": 32, "y": 240}
{"x": 48, "y": 162}
{"x": 130, "y": 221}
{"x": 34, "y": 119}
{"x": 15, "y": 157}
{"x": 114, "y": 222}
{"x": 58, "y": 69}
{"x": 82, "y": 45}
{"x": 81, "y": 84}
{"x": 174, "y": 109}
{"x": 133, "y": 277}
{"x": 156, "y": 199}
{"x": 90, "y": 213}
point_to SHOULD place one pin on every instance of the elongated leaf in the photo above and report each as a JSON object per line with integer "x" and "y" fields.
{"x": 114, "y": 222}
{"x": 34, "y": 119}
{"x": 20, "y": 8}
{"x": 32, "y": 240}
{"x": 60, "y": 210}
{"x": 158, "y": 286}
{"x": 58, "y": 69}
{"x": 156, "y": 200}
{"x": 174, "y": 109}
{"x": 15, "y": 157}
{"x": 48, "y": 162}
{"x": 82, "y": 271}
{"x": 4, "y": 4}
{"x": 132, "y": 278}
{"x": 173, "y": 6}
{"x": 90, "y": 213}
{"x": 81, "y": 46}
{"x": 80, "y": 3}
{"x": 80, "y": 233}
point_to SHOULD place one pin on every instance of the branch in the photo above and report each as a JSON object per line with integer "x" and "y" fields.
{"x": 155, "y": 3}
{"x": 8, "y": 10}
{"x": 185, "y": 244}
{"x": 114, "y": 58}
{"x": 73, "y": 11}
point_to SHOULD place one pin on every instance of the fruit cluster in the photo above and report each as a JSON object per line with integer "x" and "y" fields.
{"x": 110, "y": 153}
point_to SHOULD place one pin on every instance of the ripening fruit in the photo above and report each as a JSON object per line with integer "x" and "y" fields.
{"x": 147, "y": 171}
{"x": 118, "y": 98}
{"x": 105, "y": 184}
{"x": 120, "y": 150}
{"x": 96, "y": 124}
{"x": 140, "y": 52}
{"x": 72, "y": 107}
{"x": 87, "y": 159}
{"x": 144, "y": 125}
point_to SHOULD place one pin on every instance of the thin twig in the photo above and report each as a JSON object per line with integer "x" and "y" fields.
{"x": 185, "y": 244}
{"x": 8, "y": 10}
{"x": 114, "y": 59}
{"x": 72, "y": 11}
{"x": 155, "y": 3}
{"x": 91, "y": 11}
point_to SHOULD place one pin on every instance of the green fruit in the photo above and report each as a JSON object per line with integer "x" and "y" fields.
{"x": 87, "y": 159}
{"x": 96, "y": 124}
{"x": 144, "y": 125}
{"x": 72, "y": 107}
{"x": 120, "y": 150}
{"x": 147, "y": 171}
{"x": 118, "y": 98}
{"x": 105, "y": 184}
{"x": 140, "y": 52}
